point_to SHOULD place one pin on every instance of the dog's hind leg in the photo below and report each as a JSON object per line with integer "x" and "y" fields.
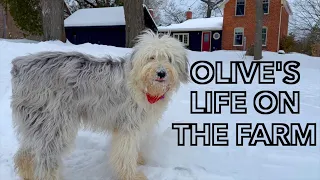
{"x": 47, "y": 166}
{"x": 124, "y": 156}
{"x": 24, "y": 163}
{"x": 40, "y": 161}
{"x": 50, "y": 136}
{"x": 48, "y": 156}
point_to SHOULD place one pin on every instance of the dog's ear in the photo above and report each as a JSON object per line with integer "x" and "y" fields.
{"x": 130, "y": 59}
{"x": 183, "y": 69}
{"x": 185, "y": 78}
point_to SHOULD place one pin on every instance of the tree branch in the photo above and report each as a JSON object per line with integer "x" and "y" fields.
{"x": 91, "y": 4}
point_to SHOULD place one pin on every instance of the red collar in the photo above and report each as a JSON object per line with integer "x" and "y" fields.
{"x": 153, "y": 99}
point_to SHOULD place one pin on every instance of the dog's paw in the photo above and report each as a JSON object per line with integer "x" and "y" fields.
{"x": 141, "y": 160}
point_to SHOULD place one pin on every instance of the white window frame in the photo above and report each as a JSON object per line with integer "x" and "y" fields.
{"x": 264, "y": 27}
{"x": 215, "y": 34}
{"x": 263, "y": 2}
{"x": 234, "y": 36}
{"x": 184, "y": 35}
{"x": 244, "y": 9}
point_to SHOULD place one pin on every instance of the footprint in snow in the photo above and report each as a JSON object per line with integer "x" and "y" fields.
{"x": 183, "y": 169}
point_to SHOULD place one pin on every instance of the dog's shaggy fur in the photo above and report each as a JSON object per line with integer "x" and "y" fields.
{"x": 55, "y": 93}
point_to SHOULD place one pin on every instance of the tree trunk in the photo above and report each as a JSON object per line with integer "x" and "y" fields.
{"x": 5, "y": 20}
{"x": 134, "y": 17}
{"x": 258, "y": 35}
{"x": 53, "y": 20}
{"x": 209, "y": 11}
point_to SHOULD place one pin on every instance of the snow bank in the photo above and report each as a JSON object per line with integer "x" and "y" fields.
{"x": 19, "y": 40}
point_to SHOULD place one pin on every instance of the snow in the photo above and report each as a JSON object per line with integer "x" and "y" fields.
{"x": 110, "y": 16}
{"x": 200, "y": 24}
{"x": 19, "y": 40}
{"x": 164, "y": 159}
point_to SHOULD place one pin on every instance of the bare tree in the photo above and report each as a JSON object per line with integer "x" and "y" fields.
{"x": 211, "y": 5}
{"x": 201, "y": 10}
{"x": 71, "y": 6}
{"x": 81, "y": 4}
{"x": 306, "y": 17}
{"x": 93, "y": 3}
{"x": 67, "y": 10}
{"x": 53, "y": 20}
{"x": 173, "y": 13}
{"x": 156, "y": 6}
{"x": 134, "y": 16}
{"x": 258, "y": 34}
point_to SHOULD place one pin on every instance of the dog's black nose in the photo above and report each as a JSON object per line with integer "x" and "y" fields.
{"x": 161, "y": 74}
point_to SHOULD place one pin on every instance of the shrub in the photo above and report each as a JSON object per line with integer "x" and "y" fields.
{"x": 288, "y": 44}
{"x": 250, "y": 50}
{"x": 316, "y": 50}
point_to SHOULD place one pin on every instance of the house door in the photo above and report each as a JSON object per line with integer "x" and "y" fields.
{"x": 216, "y": 40}
{"x": 206, "y": 41}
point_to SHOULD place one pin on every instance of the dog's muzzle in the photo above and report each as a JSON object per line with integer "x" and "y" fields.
{"x": 161, "y": 74}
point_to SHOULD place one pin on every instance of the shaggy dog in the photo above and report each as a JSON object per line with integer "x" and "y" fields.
{"x": 55, "y": 93}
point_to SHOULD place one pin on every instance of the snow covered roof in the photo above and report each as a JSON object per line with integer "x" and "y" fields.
{"x": 111, "y": 16}
{"x": 214, "y": 23}
{"x": 287, "y": 6}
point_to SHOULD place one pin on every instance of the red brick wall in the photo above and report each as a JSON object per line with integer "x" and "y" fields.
{"x": 271, "y": 21}
{"x": 284, "y": 23}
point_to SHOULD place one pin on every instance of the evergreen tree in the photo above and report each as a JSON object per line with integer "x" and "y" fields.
{"x": 26, "y": 14}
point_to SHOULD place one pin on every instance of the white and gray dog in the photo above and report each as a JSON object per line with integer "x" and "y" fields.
{"x": 56, "y": 93}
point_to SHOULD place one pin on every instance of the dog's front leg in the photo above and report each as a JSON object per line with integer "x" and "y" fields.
{"x": 124, "y": 156}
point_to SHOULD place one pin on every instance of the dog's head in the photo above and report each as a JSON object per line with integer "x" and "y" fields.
{"x": 158, "y": 64}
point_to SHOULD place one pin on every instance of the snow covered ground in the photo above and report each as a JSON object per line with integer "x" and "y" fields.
{"x": 167, "y": 161}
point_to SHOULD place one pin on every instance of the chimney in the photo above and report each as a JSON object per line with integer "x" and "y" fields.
{"x": 151, "y": 13}
{"x": 189, "y": 14}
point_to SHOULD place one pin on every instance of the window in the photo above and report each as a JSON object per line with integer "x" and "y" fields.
{"x": 266, "y": 6}
{"x": 264, "y": 36}
{"x": 206, "y": 37}
{"x": 182, "y": 37}
{"x": 238, "y": 37}
{"x": 240, "y": 6}
{"x": 216, "y": 36}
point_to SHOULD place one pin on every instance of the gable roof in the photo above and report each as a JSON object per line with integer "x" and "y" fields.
{"x": 284, "y": 2}
{"x": 287, "y": 6}
{"x": 110, "y": 16}
{"x": 200, "y": 24}
{"x": 106, "y": 16}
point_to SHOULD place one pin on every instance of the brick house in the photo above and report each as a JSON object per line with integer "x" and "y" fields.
{"x": 239, "y": 23}
{"x": 236, "y": 30}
